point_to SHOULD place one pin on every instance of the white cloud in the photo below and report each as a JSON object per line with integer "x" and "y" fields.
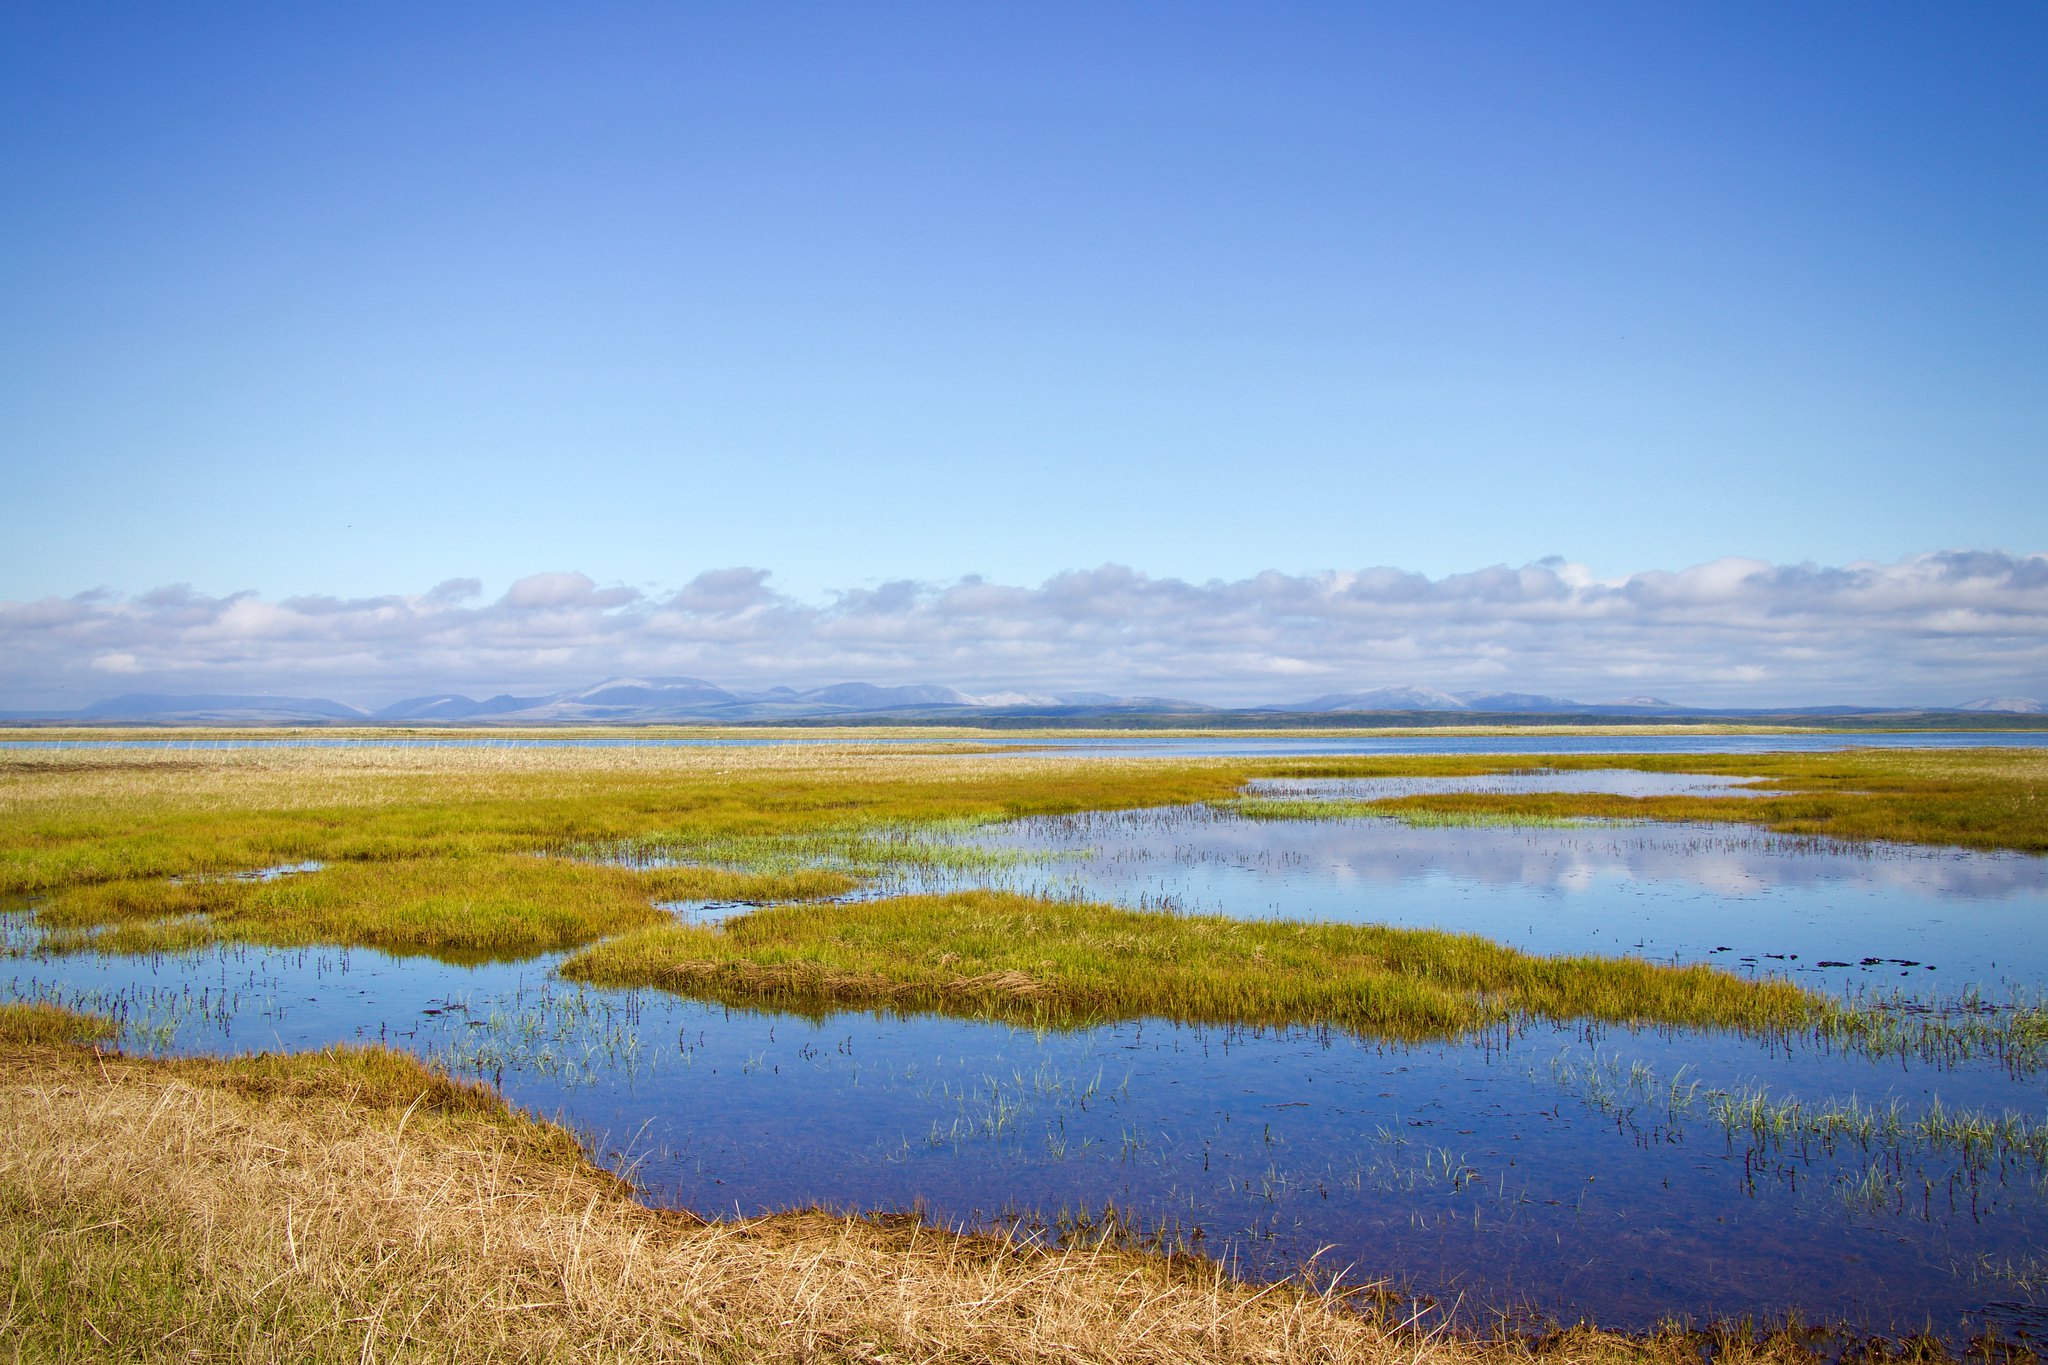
{"x": 1936, "y": 628}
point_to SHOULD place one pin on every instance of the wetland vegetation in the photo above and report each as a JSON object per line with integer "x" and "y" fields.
{"x": 901, "y": 882}
{"x": 477, "y": 854}
{"x": 461, "y": 907}
{"x": 433, "y": 851}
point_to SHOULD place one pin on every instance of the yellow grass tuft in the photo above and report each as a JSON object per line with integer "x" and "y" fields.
{"x": 39, "y": 1024}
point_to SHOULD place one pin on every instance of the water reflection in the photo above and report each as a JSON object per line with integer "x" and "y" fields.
{"x": 1671, "y": 892}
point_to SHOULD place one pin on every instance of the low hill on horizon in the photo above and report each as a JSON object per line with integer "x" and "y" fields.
{"x": 684, "y": 700}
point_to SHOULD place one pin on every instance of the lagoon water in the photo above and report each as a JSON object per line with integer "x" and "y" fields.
{"x": 1549, "y": 1170}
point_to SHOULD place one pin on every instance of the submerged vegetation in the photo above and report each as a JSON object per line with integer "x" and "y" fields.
{"x": 1892, "y": 1132}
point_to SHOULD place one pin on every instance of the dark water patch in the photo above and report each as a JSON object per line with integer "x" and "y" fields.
{"x": 707, "y": 911}
{"x": 258, "y": 874}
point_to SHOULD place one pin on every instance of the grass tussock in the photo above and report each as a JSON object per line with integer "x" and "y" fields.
{"x": 1003, "y": 955}
{"x": 26, "y": 1024}
{"x": 351, "y": 1205}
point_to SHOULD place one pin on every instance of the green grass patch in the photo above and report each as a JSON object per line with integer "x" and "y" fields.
{"x": 464, "y": 909}
{"x": 996, "y": 954}
{"x": 76, "y": 819}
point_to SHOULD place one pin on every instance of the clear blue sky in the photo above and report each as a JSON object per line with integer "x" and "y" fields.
{"x": 355, "y": 298}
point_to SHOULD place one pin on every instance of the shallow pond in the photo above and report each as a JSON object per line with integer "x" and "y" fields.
{"x": 1620, "y": 1174}
{"x": 1925, "y": 921}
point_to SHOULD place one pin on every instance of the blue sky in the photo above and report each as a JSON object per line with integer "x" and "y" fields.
{"x": 352, "y": 300}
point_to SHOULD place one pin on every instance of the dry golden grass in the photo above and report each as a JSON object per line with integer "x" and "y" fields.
{"x": 352, "y": 1206}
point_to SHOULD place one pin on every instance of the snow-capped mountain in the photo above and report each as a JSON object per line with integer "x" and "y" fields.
{"x": 1378, "y": 699}
{"x": 2018, "y": 706}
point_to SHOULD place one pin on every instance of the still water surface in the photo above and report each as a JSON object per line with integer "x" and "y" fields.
{"x": 1927, "y": 921}
{"x": 1557, "y": 1170}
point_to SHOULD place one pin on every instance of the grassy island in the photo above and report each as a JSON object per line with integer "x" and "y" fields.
{"x": 1000, "y": 955}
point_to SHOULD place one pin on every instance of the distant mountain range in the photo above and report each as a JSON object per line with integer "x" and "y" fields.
{"x": 628, "y": 701}
{"x": 2018, "y": 706}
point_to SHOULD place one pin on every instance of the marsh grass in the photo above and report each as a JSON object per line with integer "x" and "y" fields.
{"x": 1004, "y": 955}
{"x": 432, "y": 850}
{"x": 1754, "y": 1114}
{"x": 352, "y": 1205}
{"x": 1942, "y": 1031}
{"x": 1894, "y": 1131}
{"x": 37, "y": 1023}
{"x": 573, "y": 1037}
{"x": 459, "y": 908}
{"x": 429, "y": 850}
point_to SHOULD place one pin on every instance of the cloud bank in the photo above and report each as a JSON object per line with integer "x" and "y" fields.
{"x": 1931, "y": 629}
